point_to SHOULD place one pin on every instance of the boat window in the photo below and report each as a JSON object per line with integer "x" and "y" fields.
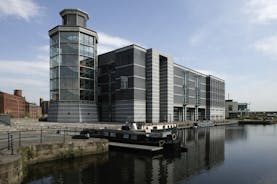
{"x": 125, "y": 136}
{"x": 112, "y": 134}
{"x": 163, "y": 127}
{"x": 155, "y": 128}
{"x": 134, "y": 137}
{"x": 106, "y": 134}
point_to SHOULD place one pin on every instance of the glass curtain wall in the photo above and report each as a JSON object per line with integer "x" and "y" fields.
{"x": 69, "y": 66}
{"x": 72, "y": 66}
{"x": 54, "y": 67}
{"x": 86, "y": 67}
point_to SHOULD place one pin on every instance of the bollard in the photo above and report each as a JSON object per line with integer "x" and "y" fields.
{"x": 12, "y": 144}
{"x": 8, "y": 140}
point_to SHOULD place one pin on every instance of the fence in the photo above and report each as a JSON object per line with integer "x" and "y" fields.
{"x": 4, "y": 118}
{"x": 11, "y": 141}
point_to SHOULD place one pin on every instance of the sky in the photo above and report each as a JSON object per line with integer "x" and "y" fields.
{"x": 234, "y": 40}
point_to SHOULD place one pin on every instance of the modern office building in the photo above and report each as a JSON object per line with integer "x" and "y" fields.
{"x": 73, "y": 69}
{"x": 144, "y": 85}
{"x": 235, "y": 109}
{"x": 133, "y": 83}
{"x": 122, "y": 85}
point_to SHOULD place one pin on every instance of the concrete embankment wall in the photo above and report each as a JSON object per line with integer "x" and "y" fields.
{"x": 13, "y": 168}
{"x": 33, "y": 154}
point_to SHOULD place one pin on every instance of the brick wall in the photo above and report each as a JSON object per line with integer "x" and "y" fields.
{"x": 14, "y": 105}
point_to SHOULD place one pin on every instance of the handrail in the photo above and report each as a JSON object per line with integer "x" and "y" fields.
{"x": 16, "y": 138}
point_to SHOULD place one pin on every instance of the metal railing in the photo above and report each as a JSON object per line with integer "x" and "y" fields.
{"x": 12, "y": 140}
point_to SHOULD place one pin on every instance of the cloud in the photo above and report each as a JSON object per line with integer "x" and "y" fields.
{"x": 33, "y": 76}
{"x": 108, "y": 43}
{"x": 43, "y": 53}
{"x": 255, "y": 93}
{"x": 30, "y": 76}
{"x": 261, "y": 11}
{"x": 197, "y": 38}
{"x": 24, "y": 9}
{"x": 267, "y": 45}
{"x": 24, "y": 67}
{"x": 33, "y": 87}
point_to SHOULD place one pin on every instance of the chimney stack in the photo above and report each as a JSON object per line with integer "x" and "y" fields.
{"x": 18, "y": 92}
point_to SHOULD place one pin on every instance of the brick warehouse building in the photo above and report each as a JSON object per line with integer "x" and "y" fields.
{"x": 17, "y": 106}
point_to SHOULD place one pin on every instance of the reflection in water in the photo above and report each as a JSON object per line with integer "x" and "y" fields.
{"x": 205, "y": 151}
{"x": 68, "y": 171}
{"x": 233, "y": 133}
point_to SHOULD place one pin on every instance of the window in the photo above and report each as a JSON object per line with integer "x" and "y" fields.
{"x": 54, "y": 50}
{"x": 230, "y": 108}
{"x": 81, "y": 21}
{"x": 54, "y": 73}
{"x": 54, "y": 61}
{"x": 54, "y": 39}
{"x": 86, "y": 72}
{"x": 68, "y": 48}
{"x": 69, "y": 37}
{"x": 87, "y": 62}
{"x": 86, "y": 51}
{"x": 86, "y": 39}
{"x": 124, "y": 82}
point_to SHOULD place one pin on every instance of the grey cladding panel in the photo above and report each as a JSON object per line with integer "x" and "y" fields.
{"x": 139, "y": 82}
{"x": 139, "y": 94}
{"x": 178, "y": 99}
{"x": 178, "y": 90}
{"x": 139, "y": 57}
{"x": 178, "y": 81}
{"x": 178, "y": 71}
{"x": 139, "y": 71}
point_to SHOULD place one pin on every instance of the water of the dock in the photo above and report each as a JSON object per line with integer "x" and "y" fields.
{"x": 231, "y": 154}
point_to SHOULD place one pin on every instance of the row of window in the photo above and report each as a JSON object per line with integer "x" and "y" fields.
{"x": 71, "y": 48}
{"x": 72, "y": 95}
{"x": 71, "y": 72}
{"x": 68, "y": 83}
{"x": 72, "y": 37}
{"x": 69, "y": 37}
{"x": 71, "y": 60}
